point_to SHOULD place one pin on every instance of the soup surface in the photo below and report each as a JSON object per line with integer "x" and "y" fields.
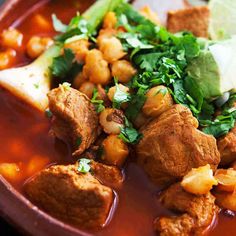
{"x": 26, "y": 140}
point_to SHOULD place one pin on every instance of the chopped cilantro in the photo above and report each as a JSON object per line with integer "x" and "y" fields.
{"x": 120, "y": 97}
{"x": 223, "y": 123}
{"x": 36, "y": 86}
{"x": 99, "y": 104}
{"x": 78, "y": 27}
{"x": 78, "y": 141}
{"x": 129, "y": 134}
{"x": 48, "y": 113}
{"x": 218, "y": 128}
{"x": 84, "y": 166}
{"x": 65, "y": 65}
{"x": 135, "y": 105}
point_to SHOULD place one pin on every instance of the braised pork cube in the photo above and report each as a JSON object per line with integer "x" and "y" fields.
{"x": 198, "y": 212}
{"x": 75, "y": 119}
{"x": 227, "y": 147}
{"x": 108, "y": 175}
{"x": 172, "y": 145}
{"x": 194, "y": 19}
{"x": 77, "y": 198}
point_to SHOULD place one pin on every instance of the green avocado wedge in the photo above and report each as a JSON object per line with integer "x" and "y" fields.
{"x": 214, "y": 69}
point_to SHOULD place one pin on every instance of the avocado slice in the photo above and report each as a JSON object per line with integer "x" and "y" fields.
{"x": 214, "y": 69}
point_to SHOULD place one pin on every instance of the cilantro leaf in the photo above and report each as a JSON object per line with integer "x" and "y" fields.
{"x": 78, "y": 141}
{"x": 194, "y": 91}
{"x": 129, "y": 134}
{"x": 179, "y": 93}
{"x": 218, "y": 128}
{"x": 120, "y": 97}
{"x": 136, "y": 103}
{"x": 147, "y": 61}
{"x": 190, "y": 45}
{"x": 132, "y": 41}
{"x": 98, "y": 104}
{"x": 65, "y": 65}
{"x": 84, "y": 166}
{"x": 78, "y": 27}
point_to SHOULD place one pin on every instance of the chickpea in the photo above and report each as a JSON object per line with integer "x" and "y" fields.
{"x": 87, "y": 88}
{"x": 110, "y": 20}
{"x": 112, "y": 120}
{"x": 199, "y": 180}
{"x": 112, "y": 90}
{"x": 37, "y": 45}
{"x": 123, "y": 71}
{"x": 151, "y": 15}
{"x": 80, "y": 48}
{"x": 96, "y": 68}
{"x": 36, "y": 164}
{"x": 226, "y": 200}
{"x": 158, "y": 101}
{"x": 42, "y": 22}
{"x": 112, "y": 49}
{"x": 79, "y": 80}
{"x": 105, "y": 34}
{"x": 226, "y": 180}
{"x": 12, "y": 38}
{"x": 115, "y": 151}
{"x": 6, "y": 58}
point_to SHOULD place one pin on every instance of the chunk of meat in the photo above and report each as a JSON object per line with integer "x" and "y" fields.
{"x": 108, "y": 175}
{"x": 172, "y": 145}
{"x": 75, "y": 119}
{"x": 173, "y": 226}
{"x": 198, "y": 212}
{"x": 194, "y": 19}
{"x": 227, "y": 147}
{"x": 79, "y": 199}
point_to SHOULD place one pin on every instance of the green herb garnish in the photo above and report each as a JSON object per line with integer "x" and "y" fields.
{"x": 129, "y": 134}
{"x": 65, "y": 65}
{"x": 99, "y": 104}
{"x": 84, "y": 166}
{"x": 120, "y": 97}
{"x": 78, "y": 141}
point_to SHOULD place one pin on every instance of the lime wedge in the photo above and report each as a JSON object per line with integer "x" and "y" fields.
{"x": 223, "y": 19}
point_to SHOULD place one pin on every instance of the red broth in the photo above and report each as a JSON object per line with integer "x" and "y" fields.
{"x": 26, "y": 140}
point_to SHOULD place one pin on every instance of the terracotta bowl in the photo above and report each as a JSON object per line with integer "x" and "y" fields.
{"x": 14, "y": 207}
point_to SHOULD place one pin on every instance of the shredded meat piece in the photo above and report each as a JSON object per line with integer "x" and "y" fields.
{"x": 198, "y": 212}
{"x": 75, "y": 120}
{"x": 172, "y": 145}
{"x": 227, "y": 147}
